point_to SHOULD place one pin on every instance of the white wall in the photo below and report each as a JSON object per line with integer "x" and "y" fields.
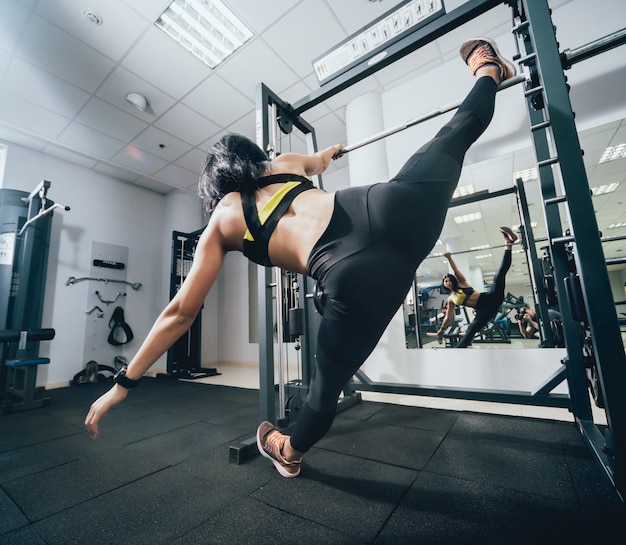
{"x": 106, "y": 210}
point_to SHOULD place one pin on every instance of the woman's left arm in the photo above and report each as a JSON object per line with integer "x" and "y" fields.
{"x": 174, "y": 321}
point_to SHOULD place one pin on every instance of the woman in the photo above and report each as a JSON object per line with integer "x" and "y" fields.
{"x": 347, "y": 241}
{"x": 485, "y": 304}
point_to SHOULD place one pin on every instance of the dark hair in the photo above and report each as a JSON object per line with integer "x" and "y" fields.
{"x": 232, "y": 164}
{"x": 455, "y": 284}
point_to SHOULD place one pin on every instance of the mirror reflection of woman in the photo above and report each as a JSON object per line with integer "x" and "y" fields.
{"x": 485, "y": 304}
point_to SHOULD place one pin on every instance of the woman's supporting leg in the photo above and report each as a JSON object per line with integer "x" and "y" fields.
{"x": 500, "y": 277}
{"x": 488, "y": 303}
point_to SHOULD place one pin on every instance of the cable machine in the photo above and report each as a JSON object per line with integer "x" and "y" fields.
{"x": 184, "y": 356}
{"x": 577, "y": 260}
{"x": 25, "y": 227}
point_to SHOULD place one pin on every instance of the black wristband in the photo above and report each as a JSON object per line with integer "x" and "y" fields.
{"x": 125, "y": 382}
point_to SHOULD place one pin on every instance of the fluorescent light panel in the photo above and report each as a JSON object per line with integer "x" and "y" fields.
{"x": 206, "y": 28}
{"x": 601, "y": 190}
{"x": 516, "y": 227}
{"x": 617, "y": 225}
{"x": 474, "y": 216}
{"x": 463, "y": 190}
{"x": 526, "y": 175}
{"x": 612, "y": 153}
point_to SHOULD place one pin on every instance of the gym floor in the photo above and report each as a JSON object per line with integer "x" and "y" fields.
{"x": 386, "y": 473}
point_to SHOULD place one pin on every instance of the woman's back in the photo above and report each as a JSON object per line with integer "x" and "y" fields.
{"x": 296, "y": 233}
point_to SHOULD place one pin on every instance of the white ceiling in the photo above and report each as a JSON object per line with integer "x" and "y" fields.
{"x": 63, "y": 83}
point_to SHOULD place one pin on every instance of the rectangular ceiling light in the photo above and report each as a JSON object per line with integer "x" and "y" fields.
{"x": 526, "y": 175}
{"x": 463, "y": 190}
{"x": 613, "y": 153}
{"x": 206, "y": 28}
{"x": 474, "y": 216}
{"x": 601, "y": 190}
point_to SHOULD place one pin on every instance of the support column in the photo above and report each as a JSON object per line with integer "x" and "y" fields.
{"x": 364, "y": 117}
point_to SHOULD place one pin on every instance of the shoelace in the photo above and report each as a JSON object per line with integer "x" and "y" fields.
{"x": 274, "y": 442}
{"x": 483, "y": 54}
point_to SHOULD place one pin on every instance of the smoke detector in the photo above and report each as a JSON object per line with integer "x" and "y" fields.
{"x": 92, "y": 17}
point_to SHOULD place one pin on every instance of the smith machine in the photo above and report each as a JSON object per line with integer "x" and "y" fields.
{"x": 577, "y": 261}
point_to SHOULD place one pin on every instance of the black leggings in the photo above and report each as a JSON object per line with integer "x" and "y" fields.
{"x": 488, "y": 303}
{"x": 366, "y": 260}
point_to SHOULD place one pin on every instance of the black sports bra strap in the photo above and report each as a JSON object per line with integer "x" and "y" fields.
{"x": 281, "y": 179}
{"x": 281, "y": 208}
{"x": 251, "y": 214}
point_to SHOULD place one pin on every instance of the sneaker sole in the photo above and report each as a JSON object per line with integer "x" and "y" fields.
{"x": 276, "y": 463}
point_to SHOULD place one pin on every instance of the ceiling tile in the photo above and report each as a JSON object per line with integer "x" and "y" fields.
{"x": 121, "y": 82}
{"x": 152, "y": 139}
{"x": 218, "y": 101}
{"x": 14, "y": 20}
{"x": 186, "y": 125}
{"x": 41, "y": 88}
{"x": 264, "y": 65}
{"x": 108, "y": 119}
{"x": 178, "y": 176}
{"x": 139, "y": 161}
{"x": 158, "y": 58}
{"x": 30, "y": 117}
{"x": 258, "y": 15}
{"x": 50, "y": 48}
{"x": 120, "y": 28}
{"x": 85, "y": 139}
{"x": 148, "y": 9}
{"x": 192, "y": 160}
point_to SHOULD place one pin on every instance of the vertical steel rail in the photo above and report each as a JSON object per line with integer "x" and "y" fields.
{"x": 267, "y": 405}
{"x": 534, "y": 267}
{"x": 589, "y": 256}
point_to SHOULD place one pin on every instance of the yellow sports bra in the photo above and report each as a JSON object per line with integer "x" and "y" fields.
{"x": 271, "y": 205}
{"x": 261, "y": 224}
{"x": 461, "y": 295}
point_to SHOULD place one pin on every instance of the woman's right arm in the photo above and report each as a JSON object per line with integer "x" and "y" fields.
{"x": 459, "y": 275}
{"x": 309, "y": 165}
{"x": 174, "y": 321}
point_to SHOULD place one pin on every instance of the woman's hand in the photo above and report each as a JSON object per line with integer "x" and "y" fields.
{"x": 101, "y": 407}
{"x": 447, "y": 255}
{"x": 337, "y": 151}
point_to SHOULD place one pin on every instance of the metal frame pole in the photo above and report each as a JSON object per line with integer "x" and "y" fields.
{"x": 588, "y": 253}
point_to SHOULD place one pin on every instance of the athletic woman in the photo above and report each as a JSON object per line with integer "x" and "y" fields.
{"x": 485, "y": 304}
{"x": 347, "y": 241}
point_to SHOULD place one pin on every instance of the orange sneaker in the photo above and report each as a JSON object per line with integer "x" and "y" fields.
{"x": 270, "y": 443}
{"x": 478, "y": 52}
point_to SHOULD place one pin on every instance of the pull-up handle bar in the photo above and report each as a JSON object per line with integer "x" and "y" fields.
{"x": 41, "y": 215}
{"x": 435, "y": 113}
